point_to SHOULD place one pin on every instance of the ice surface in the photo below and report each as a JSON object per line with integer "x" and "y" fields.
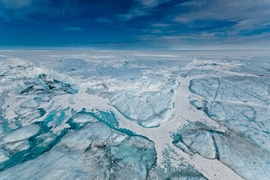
{"x": 134, "y": 115}
{"x": 148, "y": 108}
{"x": 240, "y": 103}
{"x": 200, "y": 72}
{"x": 243, "y": 157}
{"x": 240, "y": 89}
{"x": 243, "y": 107}
{"x": 19, "y": 134}
{"x": 3, "y": 156}
{"x": 95, "y": 151}
{"x": 43, "y": 83}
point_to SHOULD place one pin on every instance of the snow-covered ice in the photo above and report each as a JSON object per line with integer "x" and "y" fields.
{"x": 85, "y": 114}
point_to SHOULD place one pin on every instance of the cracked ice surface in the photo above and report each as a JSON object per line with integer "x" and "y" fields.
{"x": 134, "y": 115}
{"x": 230, "y": 148}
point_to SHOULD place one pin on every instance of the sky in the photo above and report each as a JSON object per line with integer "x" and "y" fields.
{"x": 136, "y": 24}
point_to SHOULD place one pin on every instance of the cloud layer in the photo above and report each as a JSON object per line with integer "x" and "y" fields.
{"x": 161, "y": 23}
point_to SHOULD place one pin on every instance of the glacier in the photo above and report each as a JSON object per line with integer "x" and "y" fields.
{"x": 96, "y": 114}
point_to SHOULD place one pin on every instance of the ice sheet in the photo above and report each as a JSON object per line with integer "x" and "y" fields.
{"x": 134, "y": 115}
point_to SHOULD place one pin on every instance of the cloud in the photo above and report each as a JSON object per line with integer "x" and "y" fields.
{"x": 73, "y": 28}
{"x": 16, "y": 3}
{"x": 141, "y": 8}
{"x": 208, "y": 41}
{"x": 150, "y": 3}
{"x": 247, "y": 13}
{"x": 160, "y": 25}
{"x": 149, "y": 21}
{"x": 104, "y": 20}
{"x": 5, "y": 17}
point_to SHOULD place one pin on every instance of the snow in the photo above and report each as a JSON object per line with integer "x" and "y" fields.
{"x": 82, "y": 114}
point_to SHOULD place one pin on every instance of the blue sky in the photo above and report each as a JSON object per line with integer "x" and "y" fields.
{"x": 127, "y": 24}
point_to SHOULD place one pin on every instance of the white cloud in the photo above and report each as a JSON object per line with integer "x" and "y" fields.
{"x": 208, "y": 41}
{"x": 16, "y": 3}
{"x": 160, "y": 25}
{"x": 150, "y": 3}
{"x": 73, "y": 28}
{"x": 5, "y": 17}
{"x": 104, "y": 20}
{"x": 248, "y": 13}
{"x": 141, "y": 8}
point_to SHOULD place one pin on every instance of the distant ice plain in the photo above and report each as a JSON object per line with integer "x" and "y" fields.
{"x": 93, "y": 114}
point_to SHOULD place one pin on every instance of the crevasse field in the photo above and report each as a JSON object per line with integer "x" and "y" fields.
{"x": 92, "y": 114}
